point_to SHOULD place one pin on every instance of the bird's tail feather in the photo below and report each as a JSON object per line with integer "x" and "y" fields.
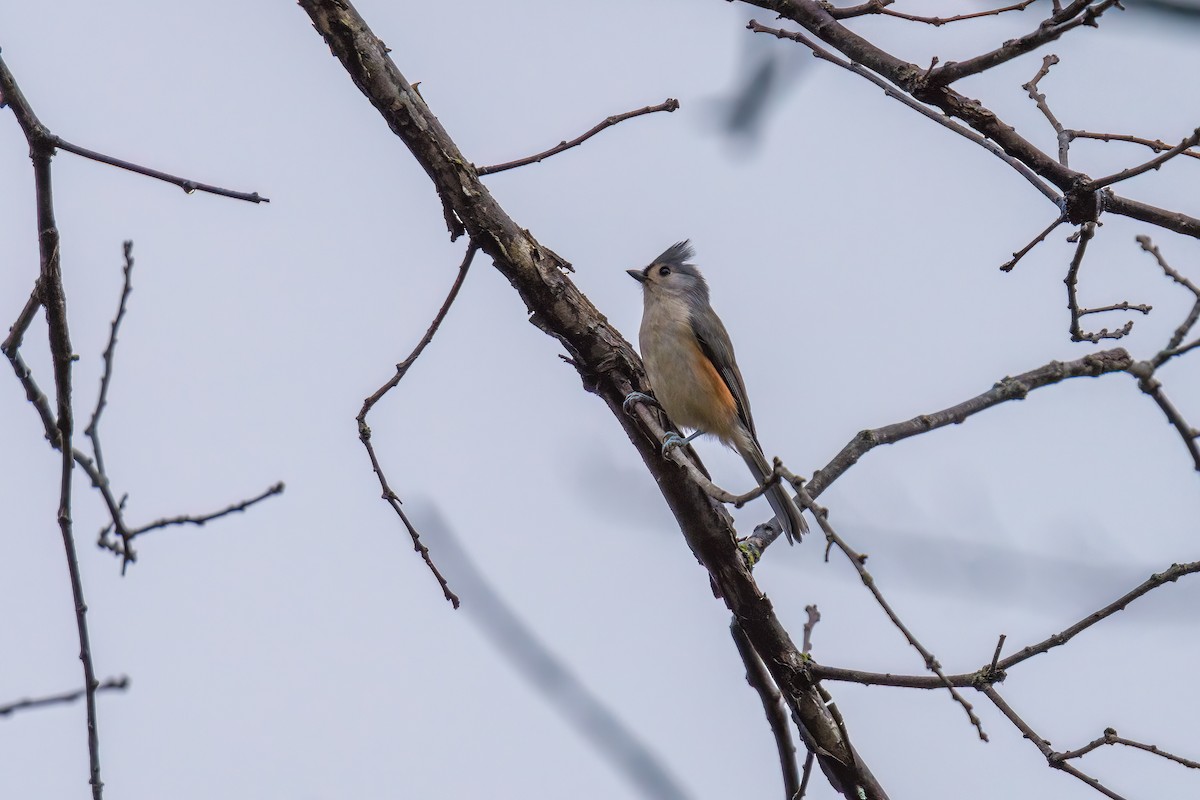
{"x": 787, "y": 513}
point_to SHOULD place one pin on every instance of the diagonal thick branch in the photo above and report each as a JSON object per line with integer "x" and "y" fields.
{"x": 1084, "y": 199}
{"x": 606, "y": 363}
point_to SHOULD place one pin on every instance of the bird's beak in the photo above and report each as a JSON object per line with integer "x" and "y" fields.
{"x": 637, "y": 274}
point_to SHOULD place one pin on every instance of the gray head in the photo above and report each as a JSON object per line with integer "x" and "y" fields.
{"x": 671, "y": 275}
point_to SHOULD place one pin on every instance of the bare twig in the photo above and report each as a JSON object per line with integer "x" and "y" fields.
{"x": 668, "y": 105}
{"x": 1082, "y": 237}
{"x": 109, "y": 684}
{"x": 1144, "y": 372}
{"x": 939, "y": 21}
{"x": 188, "y": 185}
{"x": 16, "y": 332}
{"x": 1017, "y": 256}
{"x": 1154, "y": 163}
{"x": 773, "y": 706}
{"x": 203, "y": 519}
{"x": 1124, "y": 305}
{"x": 102, "y": 399}
{"x": 814, "y": 616}
{"x": 1110, "y": 736}
{"x": 1172, "y": 348}
{"x": 364, "y": 431}
{"x": 1157, "y": 145}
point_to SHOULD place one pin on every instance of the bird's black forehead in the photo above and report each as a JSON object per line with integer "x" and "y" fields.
{"x": 677, "y": 255}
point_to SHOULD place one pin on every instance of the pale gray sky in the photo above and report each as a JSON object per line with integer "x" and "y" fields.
{"x": 302, "y": 650}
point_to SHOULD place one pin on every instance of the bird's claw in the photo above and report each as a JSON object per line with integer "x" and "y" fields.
{"x": 671, "y": 441}
{"x": 634, "y": 398}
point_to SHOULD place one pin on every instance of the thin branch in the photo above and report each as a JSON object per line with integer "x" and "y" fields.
{"x": 1031, "y": 88}
{"x": 858, "y": 561}
{"x": 925, "y": 111}
{"x": 824, "y": 672}
{"x": 109, "y": 351}
{"x": 1041, "y": 237}
{"x": 1013, "y": 388}
{"x": 668, "y": 105}
{"x": 188, "y": 519}
{"x": 1110, "y": 736}
{"x": 1154, "y": 163}
{"x": 1043, "y": 745}
{"x": 188, "y": 185}
{"x": 1082, "y": 237}
{"x": 1169, "y": 575}
{"x": 773, "y": 706}
{"x": 939, "y": 21}
{"x": 1144, "y": 372}
{"x": 121, "y": 683}
{"x": 16, "y": 332}
{"x": 1124, "y": 305}
{"x": 364, "y": 431}
{"x": 1157, "y": 145}
{"x": 1172, "y": 348}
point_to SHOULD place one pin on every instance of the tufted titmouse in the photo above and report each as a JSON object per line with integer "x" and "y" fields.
{"x": 690, "y": 363}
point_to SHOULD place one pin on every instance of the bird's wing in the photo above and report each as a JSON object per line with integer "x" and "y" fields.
{"x": 715, "y": 344}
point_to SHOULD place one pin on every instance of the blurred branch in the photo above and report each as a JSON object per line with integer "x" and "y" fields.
{"x": 668, "y": 105}
{"x": 364, "y": 431}
{"x": 548, "y": 674}
{"x": 109, "y": 684}
{"x": 606, "y": 363}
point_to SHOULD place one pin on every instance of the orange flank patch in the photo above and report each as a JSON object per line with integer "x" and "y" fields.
{"x": 717, "y": 389}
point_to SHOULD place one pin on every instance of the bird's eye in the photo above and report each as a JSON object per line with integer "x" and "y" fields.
{"x": 664, "y": 271}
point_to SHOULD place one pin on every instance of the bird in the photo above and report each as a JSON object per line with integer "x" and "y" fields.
{"x": 690, "y": 363}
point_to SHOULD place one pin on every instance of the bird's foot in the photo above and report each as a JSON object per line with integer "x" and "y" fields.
{"x": 673, "y": 440}
{"x": 633, "y": 398}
